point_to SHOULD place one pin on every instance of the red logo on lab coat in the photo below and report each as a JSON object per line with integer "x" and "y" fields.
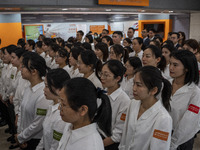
{"x": 193, "y": 108}
{"x": 123, "y": 117}
{"x": 160, "y": 135}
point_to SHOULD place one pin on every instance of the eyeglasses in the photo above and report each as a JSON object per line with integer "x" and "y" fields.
{"x": 102, "y": 75}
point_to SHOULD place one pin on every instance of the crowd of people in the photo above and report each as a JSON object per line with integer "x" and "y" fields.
{"x": 98, "y": 92}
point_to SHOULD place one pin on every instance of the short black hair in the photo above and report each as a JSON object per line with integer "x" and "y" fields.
{"x": 90, "y": 38}
{"x": 21, "y": 42}
{"x": 178, "y": 35}
{"x": 81, "y": 32}
{"x": 107, "y": 31}
{"x": 132, "y": 29}
{"x": 39, "y": 44}
{"x": 153, "y": 30}
{"x": 108, "y": 39}
{"x": 118, "y": 33}
{"x": 47, "y": 41}
{"x": 76, "y": 52}
{"x": 31, "y": 43}
{"x": 135, "y": 62}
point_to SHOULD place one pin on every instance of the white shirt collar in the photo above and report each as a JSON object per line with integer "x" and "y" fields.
{"x": 37, "y": 86}
{"x": 115, "y": 94}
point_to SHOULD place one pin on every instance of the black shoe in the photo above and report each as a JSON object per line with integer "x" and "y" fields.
{"x": 10, "y": 138}
{"x": 13, "y": 141}
{"x": 3, "y": 123}
{"x": 13, "y": 146}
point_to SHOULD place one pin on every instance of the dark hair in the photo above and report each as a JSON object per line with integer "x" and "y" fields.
{"x": 128, "y": 48}
{"x": 117, "y": 68}
{"x": 178, "y": 35}
{"x": 119, "y": 33}
{"x": 135, "y": 62}
{"x": 168, "y": 42}
{"x": 81, "y": 32}
{"x": 128, "y": 40}
{"x": 63, "y": 53}
{"x": 77, "y": 44}
{"x": 193, "y": 44}
{"x": 41, "y": 36}
{"x": 183, "y": 34}
{"x": 159, "y": 38}
{"x": 151, "y": 77}
{"x": 104, "y": 49}
{"x": 86, "y": 46}
{"x": 169, "y": 47}
{"x": 32, "y": 60}
{"x": 90, "y": 38}
{"x": 153, "y": 30}
{"x": 108, "y": 39}
{"x": 132, "y": 29}
{"x": 69, "y": 45}
{"x": 189, "y": 62}
{"x": 55, "y": 47}
{"x": 31, "y": 43}
{"x": 71, "y": 40}
{"x": 157, "y": 44}
{"x": 56, "y": 78}
{"x": 118, "y": 49}
{"x": 21, "y": 42}
{"x": 158, "y": 53}
{"x": 169, "y": 33}
{"x": 140, "y": 41}
{"x": 76, "y": 52}
{"x": 9, "y": 49}
{"x": 107, "y": 31}
{"x": 19, "y": 52}
{"x": 60, "y": 41}
{"x": 81, "y": 91}
{"x": 47, "y": 41}
{"x": 39, "y": 44}
{"x": 89, "y": 58}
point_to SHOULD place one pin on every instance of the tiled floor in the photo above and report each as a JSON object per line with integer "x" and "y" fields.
{"x": 4, "y": 144}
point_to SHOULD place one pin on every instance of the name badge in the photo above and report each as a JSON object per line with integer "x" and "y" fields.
{"x": 123, "y": 117}
{"x": 161, "y": 135}
{"x": 193, "y": 108}
{"x": 56, "y": 135}
{"x": 41, "y": 112}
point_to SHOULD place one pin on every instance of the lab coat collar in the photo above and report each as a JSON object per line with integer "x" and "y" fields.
{"x": 91, "y": 76}
{"x": 116, "y": 93}
{"x": 55, "y": 107}
{"x": 83, "y": 132}
{"x": 37, "y": 86}
{"x": 151, "y": 110}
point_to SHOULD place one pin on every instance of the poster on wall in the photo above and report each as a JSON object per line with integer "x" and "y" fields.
{"x": 97, "y": 28}
{"x": 82, "y": 27}
{"x": 33, "y": 31}
{"x": 125, "y": 2}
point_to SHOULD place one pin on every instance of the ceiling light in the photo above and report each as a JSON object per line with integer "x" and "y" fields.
{"x": 108, "y": 9}
{"x": 64, "y": 9}
{"x": 171, "y": 11}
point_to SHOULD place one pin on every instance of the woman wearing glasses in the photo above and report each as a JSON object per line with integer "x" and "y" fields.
{"x": 111, "y": 76}
{"x": 53, "y": 125}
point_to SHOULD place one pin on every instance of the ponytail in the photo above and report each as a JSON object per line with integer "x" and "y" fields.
{"x": 166, "y": 94}
{"x": 103, "y": 115}
{"x": 98, "y": 67}
{"x": 162, "y": 64}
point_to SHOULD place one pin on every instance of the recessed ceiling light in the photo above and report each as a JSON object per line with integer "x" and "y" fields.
{"x": 171, "y": 11}
{"x": 64, "y": 9}
{"x": 108, "y": 9}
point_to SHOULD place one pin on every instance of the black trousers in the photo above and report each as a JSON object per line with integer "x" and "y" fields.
{"x": 32, "y": 144}
{"x": 4, "y": 111}
{"x": 12, "y": 117}
{"x": 187, "y": 145}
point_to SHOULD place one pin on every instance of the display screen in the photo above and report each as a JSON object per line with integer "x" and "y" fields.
{"x": 33, "y": 31}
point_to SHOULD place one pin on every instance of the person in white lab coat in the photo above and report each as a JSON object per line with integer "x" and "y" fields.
{"x": 90, "y": 66}
{"x": 167, "y": 49}
{"x": 73, "y": 61}
{"x": 148, "y": 124}
{"x": 62, "y": 59}
{"x": 138, "y": 48}
{"x": 79, "y": 99}
{"x": 111, "y": 76}
{"x": 185, "y": 99}
{"x": 45, "y": 46}
{"x": 53, "y": 48}
{"x": 131, "y": 65}
{"x": 34, "y": 105}
{"x": 101, "y": 51}
{"x": 152, "y": 56}
{"x": 53, "y": 125}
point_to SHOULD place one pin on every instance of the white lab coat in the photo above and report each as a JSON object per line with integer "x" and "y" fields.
{"x": 47, "y": 60}
{"x": 53, "y": 65}
{"x": 119, "y": 101}
{"x": 185, "y": 104}
{"x": 140, "y": 54}
{"x": 53, "y": 127}
{"x": 75, "y": 73}
{"x": 32, "y": 113}
{"x": 127, "y": 87}
{"x": 66, "y": 68}
{"x": 142, "y": 133}
{"x": 166, "y": 73}
{"x": 85, "y": 138}
{"x": 93, "y": 78}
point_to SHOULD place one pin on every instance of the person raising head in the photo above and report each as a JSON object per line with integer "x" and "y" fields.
{"x": 185, "y": 101}
{"x": 147, "y": 118}
{"x": 130, "y": 33}
{"x": 34, "y": 105}
{"x": 90, "y": 66}
{"x": 53, "y": 125}
{"x": 79, "y": 99}
{"x": 131, "y": 65}
{"x": 111, "y": 76}
{"x": 117, "y": 37}
{"x": 105, "y": 32}
{"x": 137, "y": 47}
